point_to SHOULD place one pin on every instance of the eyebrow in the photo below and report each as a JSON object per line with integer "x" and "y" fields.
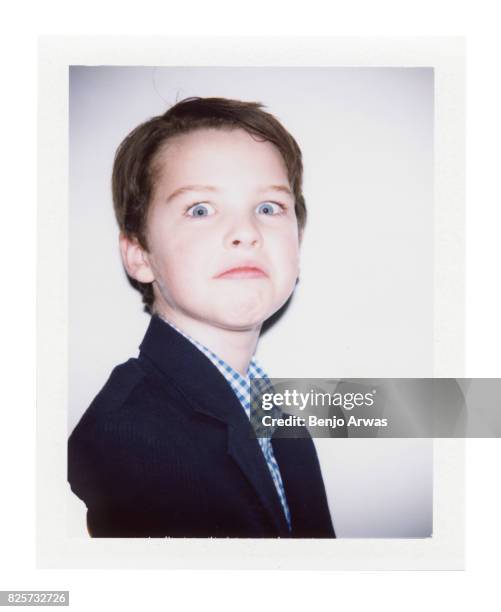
{"x": 211, "y": 188}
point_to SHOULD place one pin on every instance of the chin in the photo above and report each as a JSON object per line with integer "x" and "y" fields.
{"x": 241, "y": 323}
{"x": 242, "y": 316}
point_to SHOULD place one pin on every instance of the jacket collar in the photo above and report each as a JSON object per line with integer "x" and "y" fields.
{"x": 189, "y": 370}
{"x": 207, "y": 391}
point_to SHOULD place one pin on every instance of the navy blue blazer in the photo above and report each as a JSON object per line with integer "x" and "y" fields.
{"x": 166, "y": 449}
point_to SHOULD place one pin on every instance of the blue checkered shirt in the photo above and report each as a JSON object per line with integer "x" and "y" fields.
{"x": 241, "y": 387}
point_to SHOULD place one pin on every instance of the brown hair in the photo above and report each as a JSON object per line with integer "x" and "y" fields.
{"x": 134, "y": 169}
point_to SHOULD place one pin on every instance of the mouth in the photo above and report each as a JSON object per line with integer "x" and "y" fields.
{"x": 242, "y": 272}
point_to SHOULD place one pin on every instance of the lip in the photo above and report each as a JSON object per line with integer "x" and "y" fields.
{"x": 243, "y": 272}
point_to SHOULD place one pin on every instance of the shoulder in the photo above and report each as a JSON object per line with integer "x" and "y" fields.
{"x": 128, "y": 402}
{"x": 129, "y": 424}
{"x": 125, "y": 379}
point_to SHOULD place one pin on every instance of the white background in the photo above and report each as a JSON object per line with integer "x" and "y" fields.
{"x": 364, "y": 304}
{"x": 223, "y": 590}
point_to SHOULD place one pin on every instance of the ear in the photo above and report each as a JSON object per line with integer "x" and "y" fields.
{"x": 135, "y": 260}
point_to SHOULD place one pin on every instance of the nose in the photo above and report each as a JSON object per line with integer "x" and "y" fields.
{"x": 244, "y": 233}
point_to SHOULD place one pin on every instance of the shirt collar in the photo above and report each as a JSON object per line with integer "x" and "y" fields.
{"x": 239, "y": 383}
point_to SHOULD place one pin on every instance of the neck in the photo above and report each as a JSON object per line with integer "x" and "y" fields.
{"x": 235, "y": 347}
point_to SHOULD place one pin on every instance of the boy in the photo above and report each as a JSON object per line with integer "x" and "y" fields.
{"x": 209, "y": 203}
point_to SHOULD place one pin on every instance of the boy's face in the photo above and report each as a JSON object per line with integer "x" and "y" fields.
{"x": 222, "y": 234}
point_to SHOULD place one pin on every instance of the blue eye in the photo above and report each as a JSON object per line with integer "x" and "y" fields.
{"x": 269, "y": 208}
{"x": 200, "y": 210}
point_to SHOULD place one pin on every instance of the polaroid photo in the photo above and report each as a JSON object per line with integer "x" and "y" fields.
{"x": 217, "y": 210}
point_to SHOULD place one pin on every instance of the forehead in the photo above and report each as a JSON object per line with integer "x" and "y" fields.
{"x": 223, "y": 157}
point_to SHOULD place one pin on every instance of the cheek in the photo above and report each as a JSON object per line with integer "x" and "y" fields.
{"x": 286, "y": 258}
{"x": 181, "y": 265}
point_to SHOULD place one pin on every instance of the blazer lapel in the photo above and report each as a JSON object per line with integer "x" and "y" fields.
{"x": 246, "y": 452}
{"x": 295, "y": 454}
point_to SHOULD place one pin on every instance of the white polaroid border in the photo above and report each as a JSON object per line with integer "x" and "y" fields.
{"x": 55, "y": 548}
